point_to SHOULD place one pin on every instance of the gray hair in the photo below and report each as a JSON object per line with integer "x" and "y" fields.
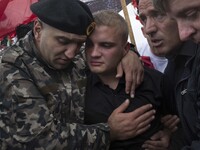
{"x": 161, "y": 5}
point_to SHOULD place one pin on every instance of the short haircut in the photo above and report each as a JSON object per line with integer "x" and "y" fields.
{"x": 112, "y": 19}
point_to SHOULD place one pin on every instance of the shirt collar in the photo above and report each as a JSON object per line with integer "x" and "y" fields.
{"x": 96, "y": 80}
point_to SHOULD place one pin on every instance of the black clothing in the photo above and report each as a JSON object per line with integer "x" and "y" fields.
{"x": 183, "y": 70}
{"x": 102, "y": 100}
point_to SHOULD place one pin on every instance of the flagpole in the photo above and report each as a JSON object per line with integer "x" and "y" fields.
{"x": 126, "y": 15}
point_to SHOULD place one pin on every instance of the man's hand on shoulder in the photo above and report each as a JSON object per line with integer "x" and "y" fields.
{"x": 134, "y": 71}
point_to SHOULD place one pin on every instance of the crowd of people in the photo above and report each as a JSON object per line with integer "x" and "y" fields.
{"x": 75, "y": 82}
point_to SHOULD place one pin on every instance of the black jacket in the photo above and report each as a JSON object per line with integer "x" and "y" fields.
{"x": 183, "y": 70}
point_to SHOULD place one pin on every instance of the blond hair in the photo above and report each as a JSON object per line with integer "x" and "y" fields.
{"x": 112, "y": 19}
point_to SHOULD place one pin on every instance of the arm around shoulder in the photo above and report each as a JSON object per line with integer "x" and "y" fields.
{"x": 34, "y": 115}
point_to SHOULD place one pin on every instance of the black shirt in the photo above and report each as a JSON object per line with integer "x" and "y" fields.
{"x": 102, "y": 100}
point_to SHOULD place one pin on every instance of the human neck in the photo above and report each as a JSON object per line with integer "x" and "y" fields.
{"x": 109, "y": 80}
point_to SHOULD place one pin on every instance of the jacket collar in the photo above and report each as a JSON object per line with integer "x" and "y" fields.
{"x": 187, "y": 49}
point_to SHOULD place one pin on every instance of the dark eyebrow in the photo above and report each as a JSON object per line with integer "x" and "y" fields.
{"x": 107, "y": 42}
{"x": 64, "y": 38}
{"x": 182, "y": 12}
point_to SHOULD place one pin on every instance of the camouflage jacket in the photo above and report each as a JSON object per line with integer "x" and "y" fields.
{"x": 42, "y": 108}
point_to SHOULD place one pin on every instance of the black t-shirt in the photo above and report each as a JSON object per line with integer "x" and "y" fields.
{"x": 102, "y": 100}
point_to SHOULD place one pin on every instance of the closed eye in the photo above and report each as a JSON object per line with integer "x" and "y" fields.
{"x": 192, "y": 14}
{"x": 63, "y": 40}
{"x": 107, "y": 44}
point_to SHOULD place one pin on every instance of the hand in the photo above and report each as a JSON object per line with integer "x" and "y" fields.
{"x": 159, "y": 141}
{"x": 128, "y": 125}
{"x": 170, "y": 122}
{"x": 134, "y": 72}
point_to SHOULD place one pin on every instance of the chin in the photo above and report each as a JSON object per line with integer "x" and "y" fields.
{"x": 160, "y": 53}
{"x": 60, "y": 67}
{"x": 97, "y": 71}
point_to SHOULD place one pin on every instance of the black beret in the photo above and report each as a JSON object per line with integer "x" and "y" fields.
{"x": 72, "y": 16}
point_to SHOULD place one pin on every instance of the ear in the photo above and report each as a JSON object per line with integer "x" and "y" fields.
{"x": 37, "y": 29}
{"x": 126, "y": 48}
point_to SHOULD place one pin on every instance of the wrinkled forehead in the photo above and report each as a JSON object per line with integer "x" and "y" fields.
{"x": 144, "y": 4}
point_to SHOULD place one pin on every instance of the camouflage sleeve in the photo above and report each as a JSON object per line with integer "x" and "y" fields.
{"x": 26, "y": 123}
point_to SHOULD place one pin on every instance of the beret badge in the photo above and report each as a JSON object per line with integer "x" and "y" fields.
{"x": 90, "y": 28}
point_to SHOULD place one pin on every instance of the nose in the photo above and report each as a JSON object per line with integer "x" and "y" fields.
{"x": 71, "y": 50}
{"x": 95, "y": 51}
{"x": 185, "y": 30}
{"x": 150, "y": 27}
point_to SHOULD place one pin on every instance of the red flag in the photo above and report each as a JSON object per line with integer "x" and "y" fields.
{"x": 3, "y": 4}
{"x": 14, "y": 13}
{"x": 134, "y": 3}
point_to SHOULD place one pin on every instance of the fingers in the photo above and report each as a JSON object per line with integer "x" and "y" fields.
{"x": 128, "y": 125}
{"x": 137, "y": 79}
{"x": 173, "y": 126}
{"x": 170, "y": 122}
{"x": 152, "y": 147}
{"x": 119, "y": 70}
{"x": 130, "y": 84}
{"x": 134, "y": 132}
{"x": 133, "y": 70}
{"x": 140, "y": 76}
{"x": 157, "y": 136}
{"x": 144, "y": 118}
{"x": 166, "y": 117}
{"x": 143, "y": 129}
{"x": 139, "y": 124}
{"x": 143, "y": 122}
{"x": 159, "y": 141}
{"x": 144, "y": 113}
{"x": 155, "y": 145}
{"x": 122, "y": 107}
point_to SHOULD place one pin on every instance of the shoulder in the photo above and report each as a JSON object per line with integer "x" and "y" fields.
{"x": 153, "y": 78}
{"x": 11, "y": 54}
{"x": 15, "y": 61}
{"x": 152, "y": 73}
{"x": 80, "y": 60}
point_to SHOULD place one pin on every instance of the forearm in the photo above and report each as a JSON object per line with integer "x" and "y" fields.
{"x": 73, "y": 136}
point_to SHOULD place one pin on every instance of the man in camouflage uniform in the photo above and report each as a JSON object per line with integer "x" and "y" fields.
{"x": 42, "y": 86}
